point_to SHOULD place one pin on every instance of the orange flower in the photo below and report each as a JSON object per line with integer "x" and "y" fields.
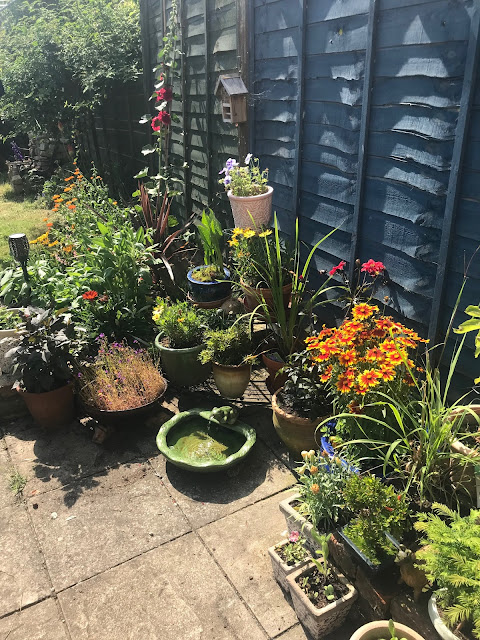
{"x": 68, "y": 248}
{"x": 326, "y": 375}
{"x": 388, "y": 346}
{"x": 348, "y": 357}
{"x": 387, "y": 373}
{"x": 354, "y": 407}
{"x": 315, "y": 488}
{"x": 394, "y": 357}
{"x": 344, "y": 384}
{"x": 384, "y": 323}
{"x": 369, "y": 378}
{"x": 313, "y": 469}
{"x": 374, "y": 354}
{"x": 45, "y": 219}
{"x": 67, "y": 189}
{"x": 72, "y": 207}
{"x": 49, "y": 224}
{"x": 363, "y": 311}
{"x": 69, "y": 178}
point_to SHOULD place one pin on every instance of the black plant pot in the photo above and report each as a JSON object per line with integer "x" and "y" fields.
{"x": 366, "y": 563}
{"x": 209, "y": 291}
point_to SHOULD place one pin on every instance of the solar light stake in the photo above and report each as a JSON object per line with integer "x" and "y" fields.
{"x": 20, "y": 249}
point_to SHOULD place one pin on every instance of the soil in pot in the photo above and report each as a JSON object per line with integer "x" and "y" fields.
{"x": 313, "y": 585}
{"x": 274, "y": 362}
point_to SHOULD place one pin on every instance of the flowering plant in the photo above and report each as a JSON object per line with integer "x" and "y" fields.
{"x": 181, "y": 323}
{"x": 367, "y": 277}
{"x": 322, "y": 479}
{"x": 255, "y": 256}
{"x": 120, "y": 378}
{"x": 293, "y": 552}
{"x": 366, "y": 355}
{"x": 244, "y": 181}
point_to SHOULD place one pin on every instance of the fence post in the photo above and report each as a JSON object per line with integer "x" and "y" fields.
{"x": 243, "y": 68}
{"x": 299, "y": 107}
{"x": 186, "y": 131}
{"x": 471, "y": 64}
{"x": 364, "y": 122}
{"x": 208, "y": 103}
{"x": 251, "y": 76}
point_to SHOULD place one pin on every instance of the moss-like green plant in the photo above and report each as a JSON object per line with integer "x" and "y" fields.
{"x": 451, "y": 558}
{"x": 231, "y": 346}
{"x": 180, "y": 322}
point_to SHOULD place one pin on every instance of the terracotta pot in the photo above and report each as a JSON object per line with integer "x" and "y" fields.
{"x": 298, "y": 434}
{"x": 379, "y": 629}
{"x": 320, "y": 622}
{"x": 247, "y": 207}
{"x": 231, "y": 380}
{"x": 465, "y": 476}
{"x": 255, "y": 296}
{"x": 51, "y": 409}
{"x": 182, "y": 366}
{"x": 280, "y": 568}
{"x": 275, "y": 381}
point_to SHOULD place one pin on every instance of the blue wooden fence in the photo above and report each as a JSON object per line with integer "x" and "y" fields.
{"x": 367, "y": 114}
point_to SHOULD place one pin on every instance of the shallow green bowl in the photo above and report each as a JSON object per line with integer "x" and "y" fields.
{"x": 190, "y": 441}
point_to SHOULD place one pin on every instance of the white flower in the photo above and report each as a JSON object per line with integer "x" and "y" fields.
{"x": 248, "y": 157}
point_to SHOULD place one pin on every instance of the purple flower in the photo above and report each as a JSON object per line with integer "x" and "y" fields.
{"x": 79, "y": 375}
{"x": 227, "y": 180}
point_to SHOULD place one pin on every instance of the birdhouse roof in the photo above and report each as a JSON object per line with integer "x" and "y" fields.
{"x": 233, "y": 85}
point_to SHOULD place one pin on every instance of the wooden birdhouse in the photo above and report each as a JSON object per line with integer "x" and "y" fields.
{"x": 232, "y": 93}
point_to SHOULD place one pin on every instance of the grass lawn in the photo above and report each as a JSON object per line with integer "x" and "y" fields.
{"x": 18, "y": 215}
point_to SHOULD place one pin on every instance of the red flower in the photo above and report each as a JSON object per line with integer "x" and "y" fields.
{"x": 89, "y": 295}
{"x": 165, "y": 94}
{"x": 163, "y": 118}
{"x": 373, "y": 268}
{"x": 339, "y": 267}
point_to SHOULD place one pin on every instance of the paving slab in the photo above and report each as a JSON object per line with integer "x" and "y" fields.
{"x": 239, "y": 543}
{"x": 127, "y": 513}
{"x": 40, "y": 622}
{"x": 23, "y": 579}
{"x": 175, "y": 591}
{"x": 49, "y": 461}
{"x": 7, "y": 496}
{"x": 210, "y": 496}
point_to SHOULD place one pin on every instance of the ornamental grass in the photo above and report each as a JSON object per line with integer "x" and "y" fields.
{"x": 120, "y": 378}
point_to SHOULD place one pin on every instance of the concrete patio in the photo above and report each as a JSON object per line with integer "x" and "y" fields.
{"x": 110, "y": 542}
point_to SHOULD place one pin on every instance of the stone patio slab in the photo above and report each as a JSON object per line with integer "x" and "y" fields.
{"x": 173, "y": 592}
{"x": 239, "y": 543}
{"x": 50, "y": 460}
{"x": 127, "y": 513}
{"x": 23, "y": 579}
{"x": 210, "y": 496}
{"x": 39, "y": 622}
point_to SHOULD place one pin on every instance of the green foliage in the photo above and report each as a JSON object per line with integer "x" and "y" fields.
{"x": 231, "y": 346}
{"x": 472, "y": 325}
{"x": 9, "y": 319}
{"x": 293, "y": 552}
{"x": 42, "y": 357}
{"x": 391, "y": 630}
{"x": 377, "y": 509}
{"x": 304, "y": 393}
{"x": 211, "y": 236}
{"x": 17, "y": 482}
{"x": 320, "y": 485}
{"x": 183, "y": 324}
{"x": 58, "y": 59}
{"x": 451, "y": 558}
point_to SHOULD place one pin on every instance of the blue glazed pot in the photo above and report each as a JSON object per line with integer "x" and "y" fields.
{"x": 209, "y": 291}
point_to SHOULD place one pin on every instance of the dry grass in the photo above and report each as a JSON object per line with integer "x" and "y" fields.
{"x": 121, "y": 378}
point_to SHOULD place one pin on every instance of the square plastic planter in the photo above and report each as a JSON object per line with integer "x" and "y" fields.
{"x": 320, "y": 622}
{"x": 363, "y": 560}
{"x": 280, "y": 568}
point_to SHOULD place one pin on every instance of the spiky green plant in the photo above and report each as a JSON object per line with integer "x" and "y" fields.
{"x": 452, "y": 560}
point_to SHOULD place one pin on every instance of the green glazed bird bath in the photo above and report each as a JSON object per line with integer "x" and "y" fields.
{"x": 205, "y": 441}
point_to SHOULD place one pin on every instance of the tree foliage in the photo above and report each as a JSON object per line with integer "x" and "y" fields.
{"x": 59, "y": 59}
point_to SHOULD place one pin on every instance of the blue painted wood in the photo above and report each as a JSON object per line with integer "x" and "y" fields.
{"x": 442, "y": 60}
{"x": 471, "y": 65}
{"x": 364, "y": 123}
{"x": 299, "y": 107}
